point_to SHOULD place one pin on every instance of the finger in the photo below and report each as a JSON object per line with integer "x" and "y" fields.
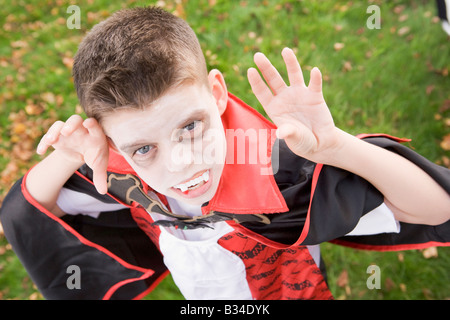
{"x": 315, "y": 81}
{"x": 100, "y": 164}
{"x": 294, "y": 70}
{"x": 100, "y": 180}
{"x": 298, "y": 138}
{"x": 51, "y": 137}
{"x": 99, "y": 167}
{"x": 72, "y": 124}
{"x": 259, "y": 87}
{"x": 94, "y": 128}
{"x": 269, "y": 72}
{"x": 285, "y": 131}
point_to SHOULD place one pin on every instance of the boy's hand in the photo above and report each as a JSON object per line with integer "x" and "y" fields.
{"x": 82, "y": 142}
{"x": 299, "y": 111}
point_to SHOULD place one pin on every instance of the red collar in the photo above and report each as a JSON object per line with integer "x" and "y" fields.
{"x": 245, "y": 187}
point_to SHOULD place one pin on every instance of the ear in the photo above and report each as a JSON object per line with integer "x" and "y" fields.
{"x": 218, "y": 89}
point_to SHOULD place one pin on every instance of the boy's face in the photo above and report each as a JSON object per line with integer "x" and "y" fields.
{"x": 177, "y": 145}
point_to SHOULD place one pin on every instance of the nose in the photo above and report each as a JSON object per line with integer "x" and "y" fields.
{"x": 178, "y": 157}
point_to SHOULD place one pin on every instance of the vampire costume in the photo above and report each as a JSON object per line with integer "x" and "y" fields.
{"x": 258, "y": 237}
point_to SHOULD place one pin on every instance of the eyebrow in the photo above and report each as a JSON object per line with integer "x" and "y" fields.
{"x": 133, "y": 146}
{"x": 194, "y": 115}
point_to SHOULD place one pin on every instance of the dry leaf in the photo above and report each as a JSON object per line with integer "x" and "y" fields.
{"x": 347, "y": 66}
{"x": 68, "y": 62}
{"x": 445, "y": 143}
{"x": 339, "y": 46}
{"x": 446, "y": 161}
{"x": 342, "y": 280}
{"x": 445, "y": 106}
{"x": 399, "y": 9}
{"x": 19, "y": 128}
{"x": 403, "y": 17}
{"x": 427, "y": 293}
{"x": 403, "y": 30}
{"x": 447, "y": 122}
{"x": 389, "y": 284}
{"x": 33, "y": 109}
{"x": 430, "y": 252}
{"x": 402, "y": 287}
{"x": 48, "y": 97}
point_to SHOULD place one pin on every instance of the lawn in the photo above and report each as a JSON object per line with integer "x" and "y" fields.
{"x": 392, "y": 79}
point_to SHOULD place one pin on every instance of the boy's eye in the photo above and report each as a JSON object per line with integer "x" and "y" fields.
{"x": 190, "y": 130}
{"x": 191, "y": 126}
{"x": 143, "y": 150}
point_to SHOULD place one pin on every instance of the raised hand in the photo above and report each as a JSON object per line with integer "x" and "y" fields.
{"x": 82, "y": 142}
{"x": 299, "y": 111}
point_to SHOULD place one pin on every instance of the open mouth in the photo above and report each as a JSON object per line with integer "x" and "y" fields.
{"x": 196, "y": 182}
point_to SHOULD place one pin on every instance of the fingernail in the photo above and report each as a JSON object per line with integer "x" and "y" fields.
{"x": 39, "y": 149}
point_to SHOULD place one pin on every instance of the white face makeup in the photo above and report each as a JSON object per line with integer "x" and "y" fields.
{"x": 177, "y": 145}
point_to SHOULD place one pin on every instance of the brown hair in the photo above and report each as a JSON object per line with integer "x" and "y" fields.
{"x": 134, "y": 57}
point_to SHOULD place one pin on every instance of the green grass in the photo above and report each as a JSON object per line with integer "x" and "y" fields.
{"x": 380, "y": 81}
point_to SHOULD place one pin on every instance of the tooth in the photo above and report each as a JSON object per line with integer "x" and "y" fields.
{"x": 185, "y": 186}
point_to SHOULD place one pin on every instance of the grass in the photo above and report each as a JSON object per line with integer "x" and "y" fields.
{"x": 392, "y": 80}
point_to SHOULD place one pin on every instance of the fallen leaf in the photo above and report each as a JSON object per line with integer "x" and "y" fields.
{"x": 339, "y": 46}
{"x": 33, "y": 109}
{"x": 48, "y": 97}
{"x": 446, "y": 161}
{"x": 34, "y": 296}
{"x": 427, "y": 293}
{"x": 403, "y": 17}
{"x": 347, "y": 66}
{"x": 19, "y": 128}
{"x": 389, "y": 284}
{"x": 430, "y": 252}
{"x": 399, "y": 9}
{"x": 445, "y": 143}
{"x": 445, "y": 106}
{"x": 403, "y": 30}
{"x": 68, "y": 62}
{"x": 342, "y": 280}
{"x": 430, "y": 89}
{"x": 447, "y": 122}
{"x": 179, "y": 11}
{"x": 19, "y": 44}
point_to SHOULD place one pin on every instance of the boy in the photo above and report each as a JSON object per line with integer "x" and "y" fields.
{"x": 154, "y": 179}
